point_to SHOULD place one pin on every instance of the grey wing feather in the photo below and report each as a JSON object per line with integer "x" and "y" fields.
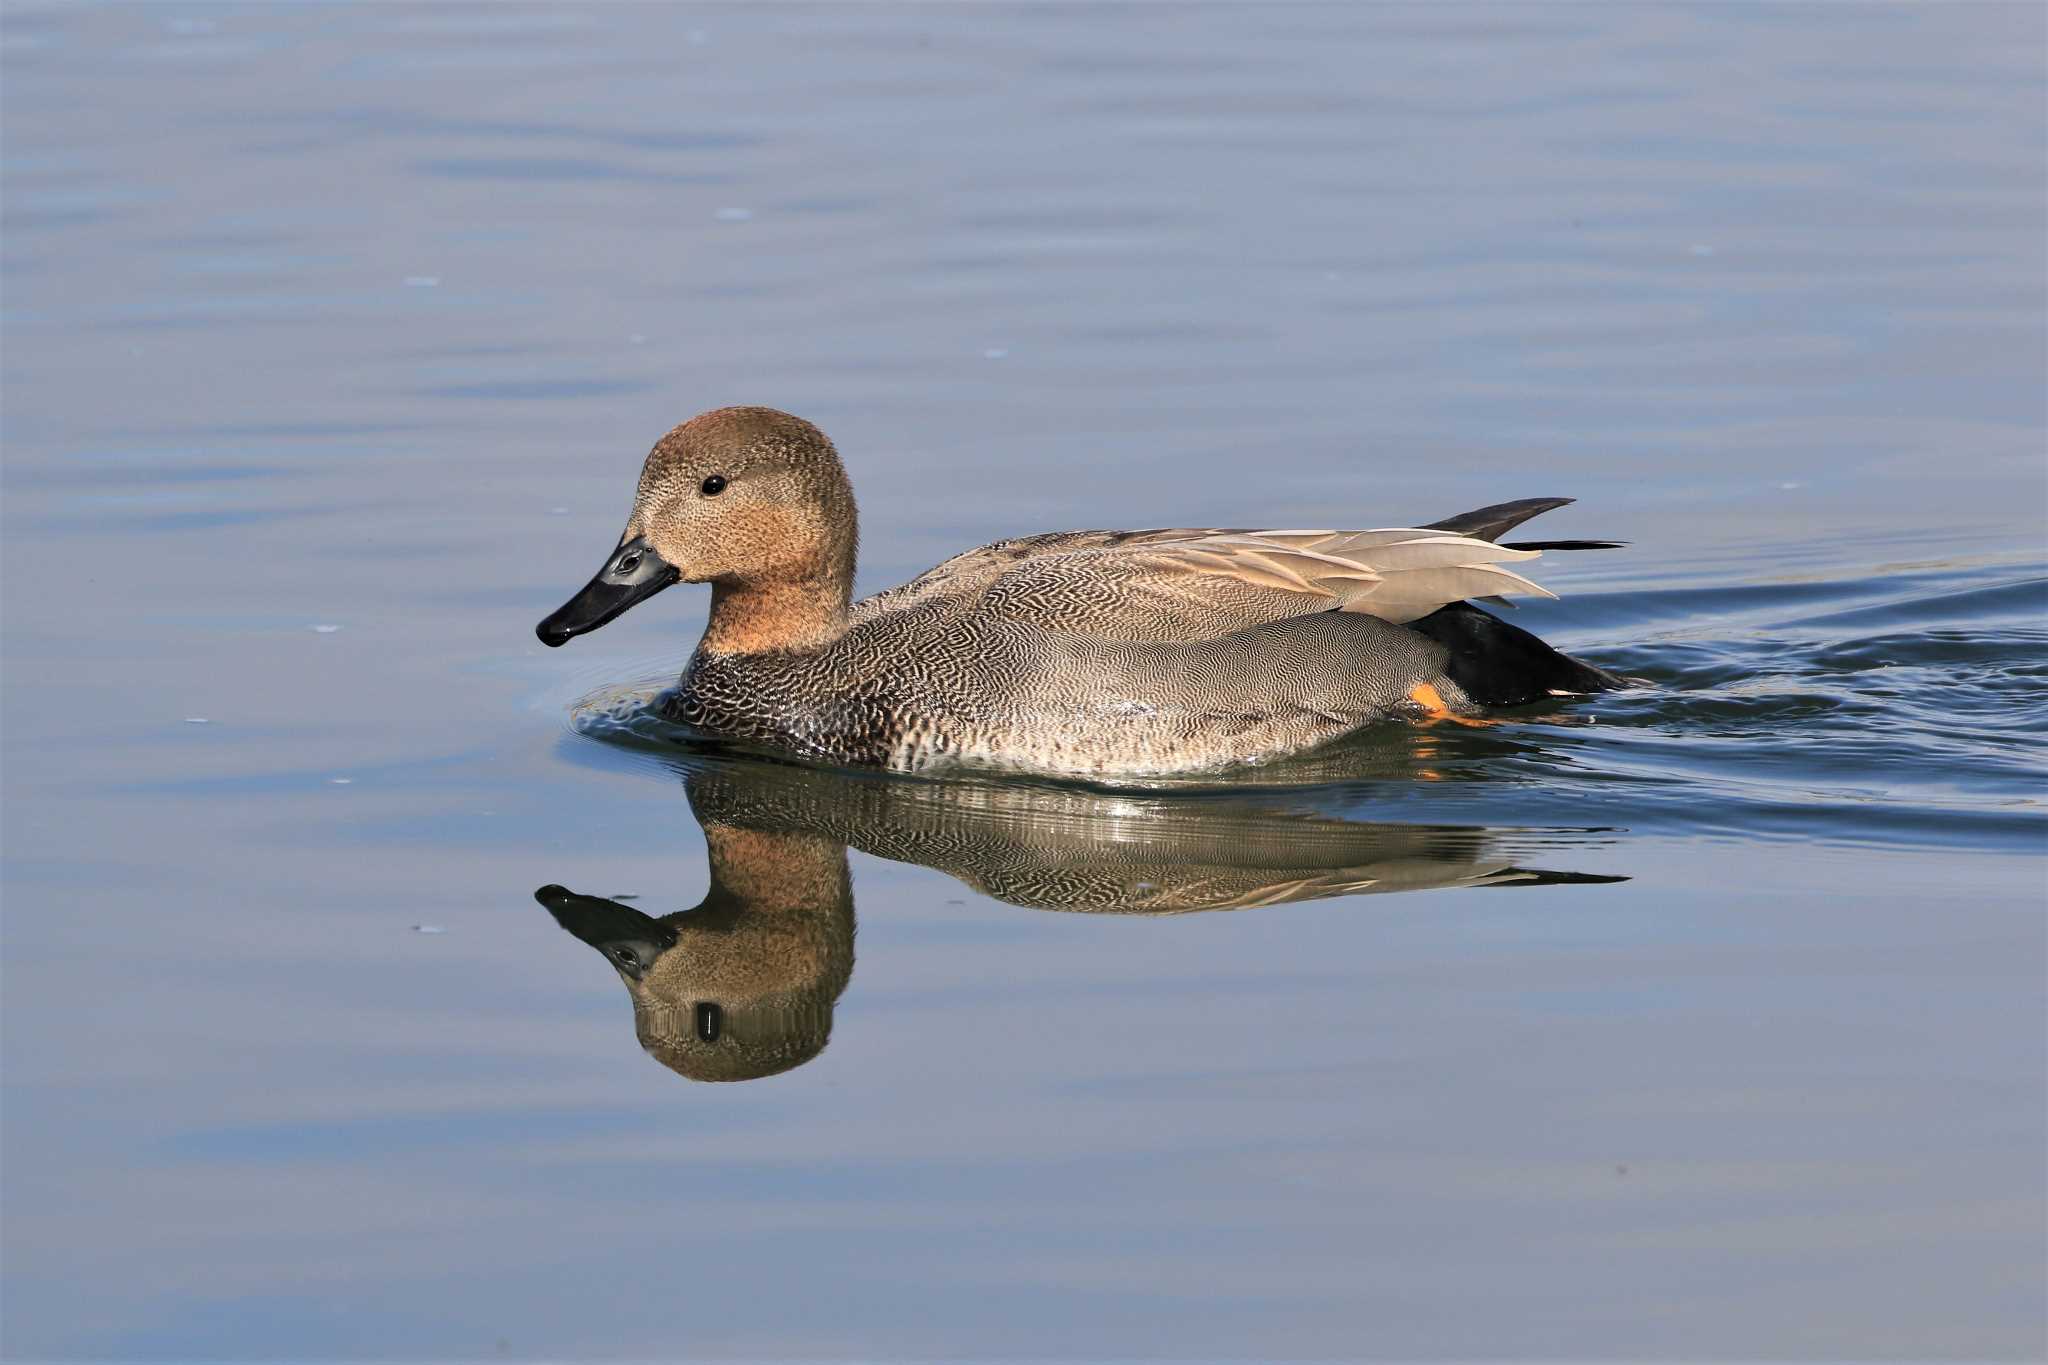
{"x": 1185, "y": 585}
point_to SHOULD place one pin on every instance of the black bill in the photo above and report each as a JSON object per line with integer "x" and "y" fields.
{"x": 634, "y": 573}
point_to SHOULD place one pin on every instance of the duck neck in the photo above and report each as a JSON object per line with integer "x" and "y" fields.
{"x": 757, "y": 616}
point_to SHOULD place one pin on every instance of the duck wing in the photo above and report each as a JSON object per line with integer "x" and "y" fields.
{"x": 965, "y": 577}
{"x": 1198, "y": 584}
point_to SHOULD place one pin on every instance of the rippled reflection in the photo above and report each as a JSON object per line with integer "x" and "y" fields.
{"x": 743, "y": 985}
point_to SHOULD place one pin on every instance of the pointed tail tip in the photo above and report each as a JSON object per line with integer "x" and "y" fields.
{"x": 1491, "y": 523}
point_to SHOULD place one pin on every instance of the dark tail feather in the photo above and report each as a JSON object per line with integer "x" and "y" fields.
{"x": 1495, "y": 663}
{"x": 1564, "y": 544}
{"x": 1502, "y": 665}
{"x": 1491, "y": 523}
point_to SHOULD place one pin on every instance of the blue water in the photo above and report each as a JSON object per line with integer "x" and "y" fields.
{"x": 1700, "y": 1020}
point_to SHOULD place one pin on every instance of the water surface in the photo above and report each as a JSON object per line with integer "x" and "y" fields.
{"x": 1701, "y": 1020}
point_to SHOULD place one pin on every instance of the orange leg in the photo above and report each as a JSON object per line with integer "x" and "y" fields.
{"x": 1433, "y": 709}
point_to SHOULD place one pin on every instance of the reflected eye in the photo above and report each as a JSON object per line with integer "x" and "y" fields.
{"x": 710, "y": 1019}
{"x": 714, "y": 485}
{"x": 628, "y": 563}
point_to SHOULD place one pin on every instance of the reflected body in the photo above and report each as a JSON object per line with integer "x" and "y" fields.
{"x": 1096, "y": 653}
{"x": 743, "y": 985}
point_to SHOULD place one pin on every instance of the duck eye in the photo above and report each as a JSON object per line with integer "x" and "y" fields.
{"x": 714, "y": 485}
{"x": 627, "y": 958}
{"x": 627, "y": 563}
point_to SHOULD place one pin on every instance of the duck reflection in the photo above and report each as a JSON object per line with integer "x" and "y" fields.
{"x": 744, "y": 984}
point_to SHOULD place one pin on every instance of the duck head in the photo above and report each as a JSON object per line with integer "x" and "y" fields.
{"x": 750, "y": 500}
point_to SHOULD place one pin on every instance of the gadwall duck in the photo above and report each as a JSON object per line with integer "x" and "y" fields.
{"x": 1079, "y": 653}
